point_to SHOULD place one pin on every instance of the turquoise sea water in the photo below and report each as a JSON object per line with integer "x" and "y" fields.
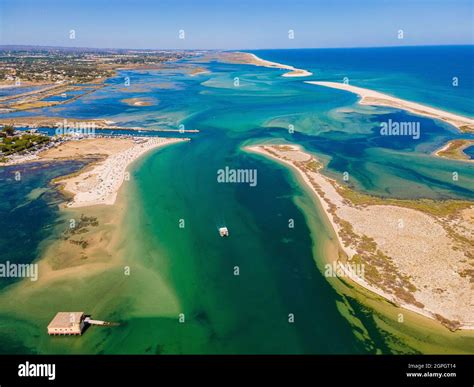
{"x": 29, "y": 209}
{"x": 422, "y": 74}
{"x": 278, "y": 265}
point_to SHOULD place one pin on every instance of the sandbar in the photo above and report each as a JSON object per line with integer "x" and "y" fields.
{"x": 252, "y": 59}
{"x": 417, "y": 259}
{"x": 100, "y": 184}
{"x": 375, "y": 98}
{"x": 454, "y": 150}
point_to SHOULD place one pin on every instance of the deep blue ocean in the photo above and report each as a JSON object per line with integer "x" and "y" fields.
{"x": 421, "y": 74}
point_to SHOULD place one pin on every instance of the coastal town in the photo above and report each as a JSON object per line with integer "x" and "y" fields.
{"x": 47, "y": 65}
{"x": 16, "y": 145}
{"x": 47, "y": 76}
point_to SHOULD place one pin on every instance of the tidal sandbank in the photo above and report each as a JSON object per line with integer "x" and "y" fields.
{"x": 375, "y": 98}
{"x": 454, "y": 150}
{"x": 414, "y": 253}
{"x": 139, "y": 101}
{"x": 252, "y": 59}
{"x": 100, "y": 183}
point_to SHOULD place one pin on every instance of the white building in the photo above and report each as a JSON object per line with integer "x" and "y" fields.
{"x": 67, "y": 323}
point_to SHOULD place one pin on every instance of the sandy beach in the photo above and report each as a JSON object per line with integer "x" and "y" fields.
{"x": 414, "y": 259}
{"x": 252, "y": 59}
{"x": 374, "y": 98}
{"x": 100, "y": 184}
{"x": 454, "y": 150}
{"x": 89, "y": 258}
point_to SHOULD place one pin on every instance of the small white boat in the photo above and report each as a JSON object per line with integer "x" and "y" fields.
{"x": 223, "y": 232}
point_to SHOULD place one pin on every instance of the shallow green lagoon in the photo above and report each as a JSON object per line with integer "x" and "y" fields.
{"x": 190, "y": 270}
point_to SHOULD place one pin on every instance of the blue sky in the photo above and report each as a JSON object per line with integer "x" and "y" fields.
{"x": 235, "y": 24}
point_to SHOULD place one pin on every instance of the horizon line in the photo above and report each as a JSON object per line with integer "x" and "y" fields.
{"x": 3, "y": 46}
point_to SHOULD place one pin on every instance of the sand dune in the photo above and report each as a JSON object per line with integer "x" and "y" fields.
{"x": 412, "y": 258}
